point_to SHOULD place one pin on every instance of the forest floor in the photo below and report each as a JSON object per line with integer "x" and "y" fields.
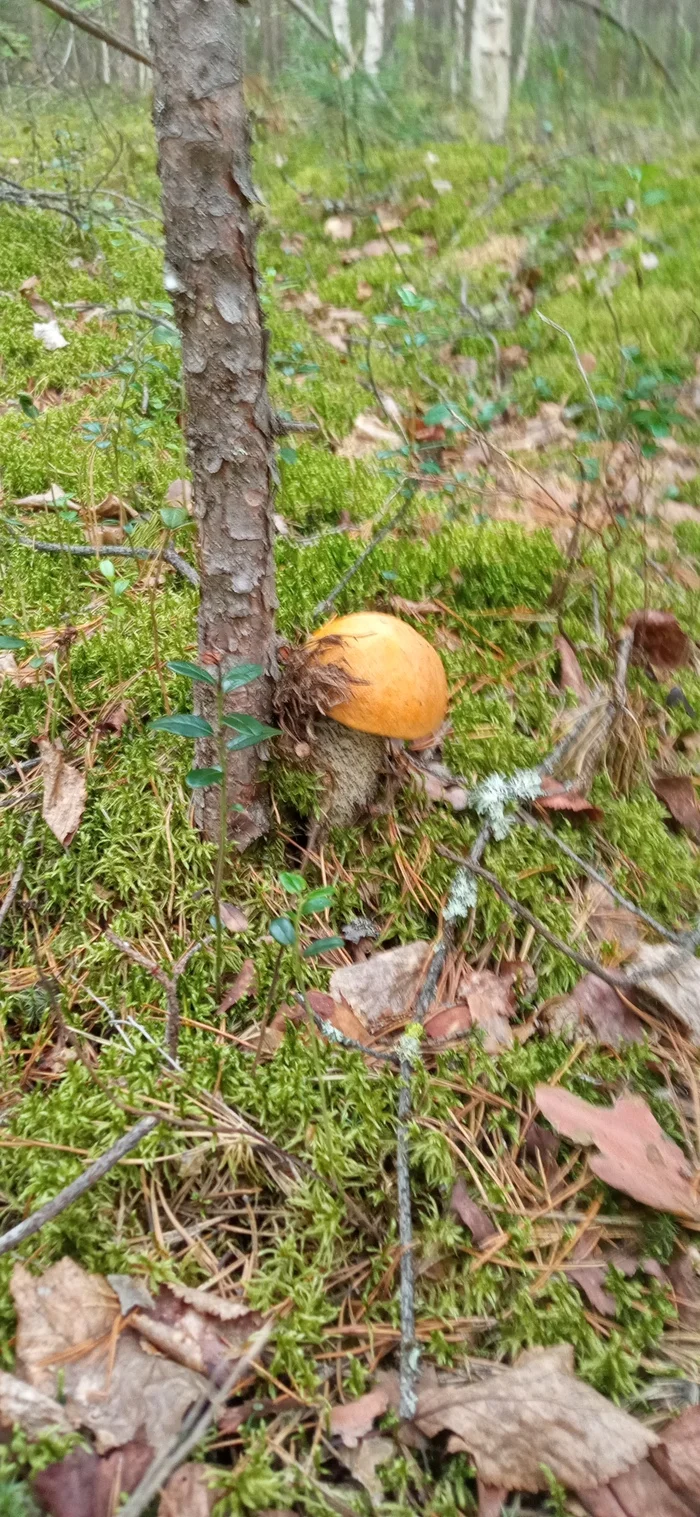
{"x": 549, "y": 488}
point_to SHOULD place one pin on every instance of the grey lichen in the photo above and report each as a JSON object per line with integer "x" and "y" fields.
{"x": 494, "y": 794}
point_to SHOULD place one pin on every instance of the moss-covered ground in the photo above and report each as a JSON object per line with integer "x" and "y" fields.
{"x": 102, "y": 415}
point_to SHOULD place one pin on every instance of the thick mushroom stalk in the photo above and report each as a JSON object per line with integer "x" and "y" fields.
{"x": 359, "y": 681}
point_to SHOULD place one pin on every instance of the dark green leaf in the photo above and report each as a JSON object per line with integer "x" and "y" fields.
{"x": 251, "y": 739}
{"x": 318, "y": 900}
{"x": 191, "y": 671}
{"x": 292, "y": 881}
{"x": 242, "y": 674}
{"x": 198, "y": 779}
{"x": 173, "y": 517}
{"x": 183, "y": 724}
{"x": 8, "y": 644}
{"x": 321, "y": 945}
{"x": 27, "y": 405}
{"x": 282, "y": 930}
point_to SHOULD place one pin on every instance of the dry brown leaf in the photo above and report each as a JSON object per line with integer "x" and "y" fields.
{"x": 368, "y": 436}
{"x": 364, "y": 290}
{"x": 190, "y": 1492}
{"x": 484, "y": 1000}
{"x": 676, "y": 990}
{"x": 388, "y": 218}
{"x": 65, "y": 792}
{"x": 514, "y": 357}
{"x": 115, "y": 718}
{"x": 595, "y": 1012}
{"x": 381, "y": 990}
{"x": 633, "y": 1156}
{"x": 640, "y": 1492}
{"x": 377, "y": 247}
{"x": 570, "y": 672}
{"x": 338, "y": 228}
{"x": 677, "y": 793}
{"x": 568, "y": 803}
{"x": 502, "y": 251}
{"x": 608, "y": 922}
{"x": 536, "y": 1415}
{"x": 480, "y": 1226}
{"x": 339, "y": 1014}
{"x": 685, "y": 1283}
{"x": 491, "y": 1499}
{"x": 24, "y": 1406}
{"x": 233, "y": 919}
{"x": 659, "y": 638}
{"x": 355, "y": 1419}
{"x": 85, "y": 1485}
{"x": 29, "y": 291}
{"x": 677, "y": 1457}
{"x": 55, "y": 495}
{"x": 179, "y": 493}
{"x": 363, "y": 1463}
{"x": 242, "y": 986}
{"x": 588, "y": 1269}
{"x": 66, "y": 1321}
{"x": 19, "y": 675}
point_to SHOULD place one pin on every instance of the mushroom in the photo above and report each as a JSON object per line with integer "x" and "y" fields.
{"x": 383, "y": 680}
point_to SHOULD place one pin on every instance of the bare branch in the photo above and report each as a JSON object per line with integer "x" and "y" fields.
{"x": 86, "y": 24}
{"x": 629, "y": 31}
{"x": 81, "y": 550}
{"x": 168, "y": 982}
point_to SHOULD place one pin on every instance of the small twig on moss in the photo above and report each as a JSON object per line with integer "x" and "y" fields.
{"x": 16, "y": 880}
{"x": 562, "y": 330}
{"x": 409, "y": 1358}
{"x": 82, "y": 550}
{"x": 325, "y": 605}
{"x": 184, "y": 1443}
{"x": 70, "y": 1193}
{"x": 168, "y": 981}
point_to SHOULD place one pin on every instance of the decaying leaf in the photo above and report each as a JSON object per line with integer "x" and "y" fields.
{"x": 355, "y": 1419}
{"x": 19, "y": 675}
{"x": 381, "y": 990}
{"x": 85, "y": 1485}
{"x": 338, "y": 228}
{"x": 677, "y": 1456}
{"x": 233, "y": 919}
{"x": 484, "y": 1000}
{"x": 242, "y": 986}
{"x": 566, "y": 801}
{"x": 364, "y": 1460}
{"x": 65, "y": 792}
{"x": 677, "y": 794}
{"x": 609, "y": 922}
{"x": 24, "y": 1406}
{"x": 29, "y": 290}
{"x": 533, "y": 1417}
{"x": 676, "y": 990}
{"x": 588, "y": 1269}
{"x": 502, "y": 251}
{"x": 570, "y": 674}
{"x": 633, "y": 1154}
{"x": 112, "y": 1384}
{"x": 641, "y": 1492}
{"x": 179, "y": 493}
{"x": 595, "y": 1012}
{"x": 339, "y": 1014}
{"x": 660, "y": 639}
{"x": 369, "y": 435}
{"x": 491, "y": 1499}
{"x": 480, "y": 1226}
{"x": 190, "y": 1492}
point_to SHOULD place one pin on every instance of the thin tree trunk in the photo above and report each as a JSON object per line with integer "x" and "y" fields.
{"x": 204, "y": 165}
{"x": 528, "y": 31}
{"x": 140, "y": 15}
{"x": 490, "y": 66}
{"x": 105, "y": 64}
{"x": 374, "y": 37}
{"x": 459, "y": 33}
{"x": 340, "y": 24}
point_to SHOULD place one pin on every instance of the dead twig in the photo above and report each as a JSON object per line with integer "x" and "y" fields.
{"x": 325, "y": 605}
{"x": 168, "y": 981}
{"x": 86, "y": 24}
{"x": 628, "y": 31}
{"x": 16, "y": 880}
{"x": 557, "y": 328}
{"x": 195, "y": 1429}
{"x": 70, "y": 1193}
{"x": 81, "y": 550}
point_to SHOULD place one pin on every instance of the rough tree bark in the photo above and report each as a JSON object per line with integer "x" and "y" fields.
{"x": 490, "y": 66}
{"x": 374, "y": 37}
{"x": 208, "y": 197}
{"x": 459, "y": 32}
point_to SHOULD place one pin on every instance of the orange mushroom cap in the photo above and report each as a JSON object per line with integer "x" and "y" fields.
{"x": 403, "y": 691}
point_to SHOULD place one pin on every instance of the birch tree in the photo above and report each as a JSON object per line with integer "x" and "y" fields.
{"x": 528, "y": 29}
{"x": 340, "y": 24}
{"x": 374, "y": 37}
{"x": 490, "y": 66}
{"x": 459, "y": 33}
{"x": 208, "y": 199}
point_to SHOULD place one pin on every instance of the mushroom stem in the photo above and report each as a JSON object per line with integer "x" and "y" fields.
{"x": 353, "y": 763}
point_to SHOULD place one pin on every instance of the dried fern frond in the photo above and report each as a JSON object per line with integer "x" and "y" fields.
{"x": 309, "y": 688}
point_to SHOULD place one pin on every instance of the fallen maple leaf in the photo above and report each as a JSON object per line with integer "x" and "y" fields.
{"x": 570, "y": 674}
{"x": 640, "y": 1492}
{"x": 515, "y": 357}
{"x": 537, "y": 1416}
{"x": 179, "y": 493}
{"x": 363, "y": 1463}
{"x": 85, "y": 1485}
{"x": 588, "y": 1269}
{"x": 659, "y": 638}
{"x": 677, "y": 794}
{"x": 29, "y": 291}
{"x": 64, "y": 792}
{"x": 609, "y": 922}
{"x": 381, "y": 989}
{"x": 480, "y": 1226}
{"x": 634, "y": 1155}
{"x": 352, "y": 1421}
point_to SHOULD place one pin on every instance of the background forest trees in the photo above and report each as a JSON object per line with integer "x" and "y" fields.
{"x": 422, "y": 43}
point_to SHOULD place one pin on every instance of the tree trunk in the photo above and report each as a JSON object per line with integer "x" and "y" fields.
{"x": 105, "y": 70}
{"x": 204, "y": 166}
{"x": 374, "y": 37}
{"x": 459, "y": 32}
{"x": 528, "y": 30}
{"x": 490, "y": 66}
{"x": 140, "y": 10}
{"x": 340, "y": 23}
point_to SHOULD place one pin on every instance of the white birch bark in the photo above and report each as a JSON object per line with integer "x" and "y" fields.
{"x": 528, "y": 30}
{"x": 458, "y": 41}
{"x": 140, "y": 18}
{"x": 374, "y": 37}
{"x": 490, "y": 66}
{"x": 105, "y": 64}
{"x": 340, "y": 23}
